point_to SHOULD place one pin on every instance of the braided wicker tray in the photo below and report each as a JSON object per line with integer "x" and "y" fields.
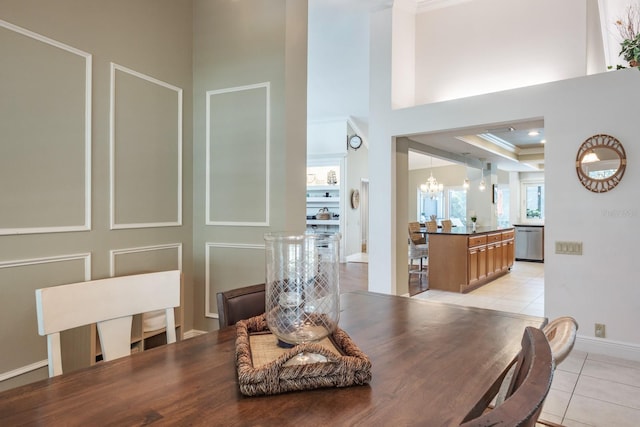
{"x": 263, "y": 369}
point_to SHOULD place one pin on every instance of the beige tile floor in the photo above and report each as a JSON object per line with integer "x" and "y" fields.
{"x": 588, "y": 389}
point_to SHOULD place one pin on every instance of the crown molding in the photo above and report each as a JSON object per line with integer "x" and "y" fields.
{"x": 410, "y": 6}
{"x": 431, "y": 5}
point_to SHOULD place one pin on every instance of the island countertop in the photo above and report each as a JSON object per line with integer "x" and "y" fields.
{"x": 461, "y": 260}
{"x": 468, "y": 231}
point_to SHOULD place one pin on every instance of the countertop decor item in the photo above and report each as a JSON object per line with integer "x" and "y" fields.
{"x": 265, "y": 369}
{"x": 302, "y": 288}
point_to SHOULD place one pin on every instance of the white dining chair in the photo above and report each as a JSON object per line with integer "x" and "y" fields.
{"x": 111, "y": 304}
{"x": 561, "y": 333}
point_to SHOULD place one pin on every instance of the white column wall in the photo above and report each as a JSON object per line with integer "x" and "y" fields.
{"x": 598, "y": 286}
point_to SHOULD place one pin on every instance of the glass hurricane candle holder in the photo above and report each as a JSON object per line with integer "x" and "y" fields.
{"x": 302, "y": 288}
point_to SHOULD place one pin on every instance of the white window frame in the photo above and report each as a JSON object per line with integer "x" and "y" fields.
{"x": 523, "y": 202}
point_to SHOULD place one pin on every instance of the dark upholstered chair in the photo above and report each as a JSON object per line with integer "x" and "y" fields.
{"x": 527, "y": 390}
{"x": 241, "y": 303}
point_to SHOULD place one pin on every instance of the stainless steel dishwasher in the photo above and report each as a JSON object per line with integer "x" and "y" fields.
{"x": 529, "y": 243}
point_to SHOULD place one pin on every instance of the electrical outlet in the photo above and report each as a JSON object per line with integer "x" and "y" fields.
{"x": 599, "y": 330}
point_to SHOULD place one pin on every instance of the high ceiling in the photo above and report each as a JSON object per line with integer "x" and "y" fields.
{"x": 507, "y": 146}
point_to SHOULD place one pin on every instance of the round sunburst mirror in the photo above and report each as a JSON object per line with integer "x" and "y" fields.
{"x": 600, "y": 163}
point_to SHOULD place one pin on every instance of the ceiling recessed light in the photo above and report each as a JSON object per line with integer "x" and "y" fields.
{"x": 534, "y": 133}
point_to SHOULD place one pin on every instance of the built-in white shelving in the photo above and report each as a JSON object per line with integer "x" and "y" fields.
{"x": 321, "y": 198}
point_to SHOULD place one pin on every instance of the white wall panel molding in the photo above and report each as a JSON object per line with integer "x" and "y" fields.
{"x": 115, "y": 223}
{"x": 23, "y": 370}
{"x": 84, "y": 257}
{"x": 85, "y": 205}
{"x": 208, "y": 311}
{"x": 114, "y": 253}
{"x": 236, "y": 202}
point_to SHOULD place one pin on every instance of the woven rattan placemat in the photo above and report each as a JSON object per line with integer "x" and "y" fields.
{"x": 263, "y": 367}
{"x": 265, "y": 349}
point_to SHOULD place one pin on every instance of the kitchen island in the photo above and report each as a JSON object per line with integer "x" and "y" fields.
{"x": 461, "y": 260}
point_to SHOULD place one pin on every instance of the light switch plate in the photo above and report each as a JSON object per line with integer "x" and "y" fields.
{"x": 569, "y": 248}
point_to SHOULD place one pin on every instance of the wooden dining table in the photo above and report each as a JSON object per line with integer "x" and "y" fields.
{"x": 431, "y": 362}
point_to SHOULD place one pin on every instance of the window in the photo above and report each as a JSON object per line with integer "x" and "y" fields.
{"x": 533, "y": 201}
{"x": 451, "y": 203}
{"x": 457, "y": 204}
{"x": 428, "y": 206}
{"x": 502, "y": 201}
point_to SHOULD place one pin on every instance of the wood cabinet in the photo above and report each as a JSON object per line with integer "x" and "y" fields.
{"x": 508, "y": 249}
{"x": 477, "y": 259}
{"x": 460, "y": 262}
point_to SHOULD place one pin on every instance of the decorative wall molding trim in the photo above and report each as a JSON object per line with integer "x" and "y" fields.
{"x": 86, "y": 257}
{"x": 23, "y": 370}
{"x": 87, "y": 135}
{"x": 209, "y": 94}
{"x": 429, "y": 5}
{"x": 608, "y": 347}
{"x": 207, "y": 275}
{"x": 409, "y": 6}
{"x": 115, "y": 252}
{"x": 112, "y": 142}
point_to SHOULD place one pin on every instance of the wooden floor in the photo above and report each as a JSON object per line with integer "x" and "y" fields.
{"x": 354, "y": 276}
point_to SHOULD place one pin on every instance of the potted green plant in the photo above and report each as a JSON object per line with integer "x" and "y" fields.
{"x": 631, "y": 51}
{"x": 629, "y": 29}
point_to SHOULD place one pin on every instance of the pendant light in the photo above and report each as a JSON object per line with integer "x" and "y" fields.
{"x": 483, "y": 185}
{"x": 466, "y": 183}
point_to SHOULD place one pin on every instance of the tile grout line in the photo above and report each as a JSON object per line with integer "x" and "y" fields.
{"x": 564, "y": 415}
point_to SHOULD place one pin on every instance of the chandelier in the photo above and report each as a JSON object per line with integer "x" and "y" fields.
{"x": 431, "y": 187}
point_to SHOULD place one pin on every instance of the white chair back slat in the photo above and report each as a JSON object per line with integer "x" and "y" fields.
{"x": 115, "y": 337}
{"x": 110, "y": 303}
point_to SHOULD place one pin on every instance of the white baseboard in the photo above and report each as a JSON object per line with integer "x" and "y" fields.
{"x": 607, "y": 347}
{"x": 23, "y": 370}
{"x": 192, "y": 333}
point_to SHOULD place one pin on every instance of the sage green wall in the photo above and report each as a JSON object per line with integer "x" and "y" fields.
{"x": 152, "y": 37}
{"x": 239, "y": 44}
{"x": 196, "y": 46}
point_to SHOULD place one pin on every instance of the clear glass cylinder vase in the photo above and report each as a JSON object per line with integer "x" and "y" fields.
{"x": 302, "y": 285}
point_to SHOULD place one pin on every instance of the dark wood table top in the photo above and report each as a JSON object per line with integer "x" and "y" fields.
{"x": 430, "y": 363}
